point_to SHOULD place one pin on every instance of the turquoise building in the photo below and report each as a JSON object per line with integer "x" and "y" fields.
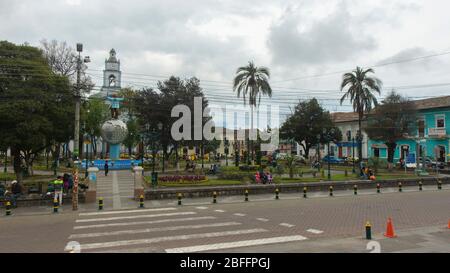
{"x": 431, "y": 137}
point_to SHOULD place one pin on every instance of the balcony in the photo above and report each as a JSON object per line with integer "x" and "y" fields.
{"x": 437, "y": 132}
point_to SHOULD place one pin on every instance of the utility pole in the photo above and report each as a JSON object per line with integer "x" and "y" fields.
{"x": 76, "y": 140}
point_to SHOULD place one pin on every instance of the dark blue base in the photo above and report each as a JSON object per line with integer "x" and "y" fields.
{"x": 121, "y": 164}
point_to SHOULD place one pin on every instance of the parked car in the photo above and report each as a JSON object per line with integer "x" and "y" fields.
{"x": 332, "y": 160}
{"x": 431, "y": 163}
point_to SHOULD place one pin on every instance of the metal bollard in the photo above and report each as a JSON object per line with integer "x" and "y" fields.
{"x": 378, "y": 188}
{"x": 420, "y": 185}
{"x": 400, "y": 186}
{"x": 439, "y": 185}
{"x": 246, "y": 195}
{"x": 368, "y": 231}
{"x": 355, "y": 189}
{"x": 277, "y": 191}
{"x": 141, "y": 201}
{"x": 100, "y": 203}
{"x": 304, "y": 192}
{"x": 331, "y": 190}
{"x": 214, "y": 197}
{"x": 179, "y": 199}
{"x": 55, "y": 205}
{"x": 8, "y": 208}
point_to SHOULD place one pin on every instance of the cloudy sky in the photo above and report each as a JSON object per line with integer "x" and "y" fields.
{"x": 306, "y": 44}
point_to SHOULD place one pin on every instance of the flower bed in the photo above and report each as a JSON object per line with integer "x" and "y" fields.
{"x": 182, "y": 178}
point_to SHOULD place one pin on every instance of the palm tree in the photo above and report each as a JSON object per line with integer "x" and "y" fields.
{"x": 361, "y": 89}
{"x": 253, "y": 82}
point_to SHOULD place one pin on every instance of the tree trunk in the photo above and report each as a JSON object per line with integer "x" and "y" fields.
{"x": 391, "y": 150}
{"x": 17, "y": 164}
{"x": 360, "y": 140}
{"x": 251, "y": 136}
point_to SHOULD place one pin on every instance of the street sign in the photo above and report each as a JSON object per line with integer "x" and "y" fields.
{"x": 411, "y": 158}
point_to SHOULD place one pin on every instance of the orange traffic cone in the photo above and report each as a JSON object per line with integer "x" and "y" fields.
{"x": 390, "y": 229}
{"x": 448, "y": 224}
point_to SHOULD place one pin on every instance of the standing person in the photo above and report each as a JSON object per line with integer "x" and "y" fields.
{"x": 66, "y": 182}
{"x": 16, "y": 191}
{"x": 106, "y": 168}
{"x": 58, "y": 185}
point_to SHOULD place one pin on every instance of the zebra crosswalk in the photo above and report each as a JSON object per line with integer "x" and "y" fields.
{"x": 185, "y": 229}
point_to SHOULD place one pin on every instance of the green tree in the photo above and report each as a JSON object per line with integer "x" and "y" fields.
{"x": 36, "y": 105}
{"x": 252, "y": 82}
{"x": 391, "y": 121}
{"x": 93, "y": 114}
{"x": 360, "y": 91}
{"x": 153, "y": 107}
{"x": 306, "y": 123}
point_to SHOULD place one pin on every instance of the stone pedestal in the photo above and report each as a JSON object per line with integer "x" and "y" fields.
{"x": 91, "y": 193}
{"x": 138, "y": 182}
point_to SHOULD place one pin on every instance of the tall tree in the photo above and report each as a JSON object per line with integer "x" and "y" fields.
{"x": 93, "y": 114}
{"x": 360, "y": 91}
{"x": 62, "y": 59}
{"x": 252, "y": 82}
{"x": 305, "y": 125}
{"x": 391, "y": 121}
{"x": 155, "y": 107}
{"x": 36, "y": 105}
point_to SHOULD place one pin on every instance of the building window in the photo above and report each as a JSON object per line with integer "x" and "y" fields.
{"x": 421, "y": 127}
{"x": 376, "y": 152}
{"x": 440, "y": 121}
{"x": 349, "y": 135}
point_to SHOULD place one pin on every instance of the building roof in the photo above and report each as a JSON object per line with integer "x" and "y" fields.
{"x": 437, "y": 102}
{"x": 344, "y": 116}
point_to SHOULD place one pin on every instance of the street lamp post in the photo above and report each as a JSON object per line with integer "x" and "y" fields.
{"x": 353, "y": 154}
{"x": 227, "y": 145}
{"x": 5, "y": 169}
{"x": 359, "y": 140}
{"x": 328, "y": 135}
{"x": 76, "y": 140}
{"x": 318, "y": 152}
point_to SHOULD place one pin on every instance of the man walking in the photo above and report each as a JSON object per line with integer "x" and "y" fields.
{"x": 58, "y": 186}
{"x": 106, "y": 168}
{"x": 16, "y": 191}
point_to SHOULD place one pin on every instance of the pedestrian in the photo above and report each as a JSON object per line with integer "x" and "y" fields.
{"x": 106, "y": 168}
{"x": 66, "y": 182}
{"x": 269, "y": 177}
{"x": 16, "y": 191}
{"x": 58, "y": 186}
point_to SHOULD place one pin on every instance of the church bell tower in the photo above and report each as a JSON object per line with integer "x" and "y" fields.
{"x": 111, "y": 75}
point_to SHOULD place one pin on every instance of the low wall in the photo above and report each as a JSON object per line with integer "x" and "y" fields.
{"x": 192, "y": 192}
{"x": 30, "y": 201}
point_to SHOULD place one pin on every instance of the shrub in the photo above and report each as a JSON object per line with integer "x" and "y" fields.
{"x": 279, "y": 169}
{"x": 248, "y": 168}
{"x": 376, "y": 163}
{"x": 182, "y": 178}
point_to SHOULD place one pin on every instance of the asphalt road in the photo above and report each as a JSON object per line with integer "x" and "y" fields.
{"x": 326, "y": 224}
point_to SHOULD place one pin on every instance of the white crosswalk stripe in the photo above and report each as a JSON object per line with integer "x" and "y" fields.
{"x": 147, "y": 230}
{"x": 262, "y": 219}
{"x": 135, "y": 217}
{"x": 237, "y": 244}
{"x": 286, "y": 225}
{"x": 123, "y": 211}
{"x": 315, "y": 231}
{"x": 239, "y": 214}
{"x": 146, "y": 222}
{"x": 168, "y": 238}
